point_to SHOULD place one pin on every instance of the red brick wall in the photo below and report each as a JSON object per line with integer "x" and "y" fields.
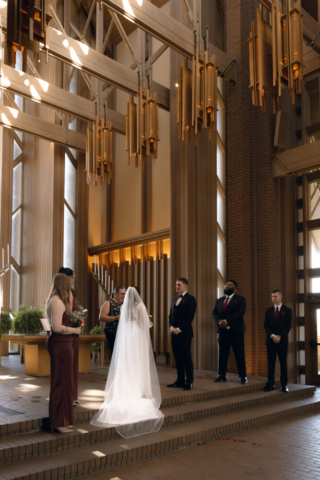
{"x": 253, "y": 224}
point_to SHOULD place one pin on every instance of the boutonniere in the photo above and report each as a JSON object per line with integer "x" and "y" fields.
{"x": 183, "y": 301}
{"x": 235, "y": 301}
{"x": 283, "y": 313}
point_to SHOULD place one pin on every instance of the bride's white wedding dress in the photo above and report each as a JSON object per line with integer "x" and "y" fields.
{"x": 132, "y": 393}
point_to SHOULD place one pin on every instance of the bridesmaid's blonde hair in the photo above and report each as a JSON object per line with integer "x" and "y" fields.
{"x": 61, "y": 287}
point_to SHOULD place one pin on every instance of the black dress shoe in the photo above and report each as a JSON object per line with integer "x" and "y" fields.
{"x": 244, "y": 380}
{"x": 285, "y": 389}
{"x": 220, "y": 378}
{"x": 176, "y": 385}
{"x": 268, "y": 388}
{"x": 188, "y": 386}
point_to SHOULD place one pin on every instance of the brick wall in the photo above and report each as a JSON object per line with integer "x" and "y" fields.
{"x": 253, "y": 223}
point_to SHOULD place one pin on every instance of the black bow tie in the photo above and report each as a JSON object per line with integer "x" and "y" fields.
{"x": 180, "y": 296}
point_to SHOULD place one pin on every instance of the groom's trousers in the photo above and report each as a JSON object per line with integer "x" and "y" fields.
{"x": 181, "y": 346}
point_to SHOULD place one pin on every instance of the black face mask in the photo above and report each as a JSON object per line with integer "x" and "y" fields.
{"x": 229, "y": 291}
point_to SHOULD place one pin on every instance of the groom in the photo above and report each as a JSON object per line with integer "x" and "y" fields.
{"x": 182, "y": 312}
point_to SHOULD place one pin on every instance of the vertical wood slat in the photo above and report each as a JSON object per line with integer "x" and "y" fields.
{"x": 155, "y": 305}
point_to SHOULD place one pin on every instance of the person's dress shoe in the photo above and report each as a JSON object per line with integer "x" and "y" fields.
{"x": 176, "y": 385}
{"x": 244, "y": 380}
{"x": 188, "y": 386}
{"x": 269, "y": 388}
{"x": 285, "y": 389}
{"x": 220, "y": 378}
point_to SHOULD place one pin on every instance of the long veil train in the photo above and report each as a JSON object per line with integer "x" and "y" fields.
{"x": 132, "y": 392}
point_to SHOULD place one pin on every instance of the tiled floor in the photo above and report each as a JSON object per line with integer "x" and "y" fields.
{"x": 27, "y": 397}
{"x": 288, "y": 450}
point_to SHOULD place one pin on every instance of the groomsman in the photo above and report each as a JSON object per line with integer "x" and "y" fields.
{"x": 277, "y": 324}
{"x": 182, "y": 313}
{"x": 228, "y": 314}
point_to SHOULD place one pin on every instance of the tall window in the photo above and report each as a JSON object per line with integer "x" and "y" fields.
{"x": 70, "y": 217}
{"x": 221, "y": 198}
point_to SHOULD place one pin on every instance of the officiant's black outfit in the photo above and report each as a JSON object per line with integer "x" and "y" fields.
{"x": 232, "y": 311}
{"x": 181, "y": 316}
{"x": 278, "y": 323}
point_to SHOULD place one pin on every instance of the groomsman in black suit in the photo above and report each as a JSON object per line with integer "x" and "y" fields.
{"x": 228, "y": 314}
{"x": 182, "y": 313}
{"x": 277, "y": 324}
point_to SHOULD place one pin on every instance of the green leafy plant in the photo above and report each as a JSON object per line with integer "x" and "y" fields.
{"x": 97, "y": 346}
{"x": 27, "y": 320}
{"x": 6, "y": 323}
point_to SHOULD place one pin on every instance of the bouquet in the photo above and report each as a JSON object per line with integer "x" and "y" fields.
{"x": 78, "y": 318}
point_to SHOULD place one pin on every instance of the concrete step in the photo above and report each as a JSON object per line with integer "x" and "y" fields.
{"x": 99, "y": 457}
{"x": 32, "y": 445}
{"x": 170, "y": 398}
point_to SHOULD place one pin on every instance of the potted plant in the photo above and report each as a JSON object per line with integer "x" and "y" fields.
{"x": 27, "y": 320}
{"x": 5, "y": 323}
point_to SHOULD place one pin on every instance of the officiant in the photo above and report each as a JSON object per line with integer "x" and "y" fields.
{"x": 75, "y": 338}
{"x": 110, "y": 314}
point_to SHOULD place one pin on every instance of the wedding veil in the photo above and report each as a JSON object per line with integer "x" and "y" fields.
{"x": 132, "y": 393}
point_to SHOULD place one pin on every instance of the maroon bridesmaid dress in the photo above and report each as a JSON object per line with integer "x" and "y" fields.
{"x": 76, "y": 343}
{"x": 60, "y": 348}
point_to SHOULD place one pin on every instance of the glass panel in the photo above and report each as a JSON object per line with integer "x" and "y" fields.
{"x": 16, "y": 193}
{"x": 301, "y": 262}
{"x": 318, "y": 338}
{"x": 315, "y": 285}
{"x": 68, "y": 239}
{"x": 70, "y": 183}
{"x": 301, "y": 285}
{"x": 301, "y": 334}
{"x": 14, "y": 290}
{"x": 301, "y": 309}
{"x": 302, "y": 357}
{"x": 220, "y": 164}
{"x": 221, "y": 255}
{"x": 302, "y": 379}
{"x": 16, "y": 150}
{"x": 220, "y": 289}
{"x": 220, "y": 120}
{"x": 300, "y": 215}
{"x": 315, "y": 248}
{"x": 314, "y": 199}
{"x": 220, "y": 209}
{"x": 16, "y": 236}
{"x": 300, "y": 239}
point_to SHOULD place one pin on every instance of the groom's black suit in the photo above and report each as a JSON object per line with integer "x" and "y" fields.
{"x": 280, "y": 326}
{"x": 181, "y": 317}
{"x": 234, "y": 337}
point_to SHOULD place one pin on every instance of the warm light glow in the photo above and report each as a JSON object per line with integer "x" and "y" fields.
{"x": 84, "y": 48}
{"x": 177, "y": 85}
{"x": 21, "y": 73}
{"x": 44, "y": 84}
{"x": 27, "y": 82}
{"x": 6, "y": 377}
{"x": 74, "y": 56}
{"x": 34, "y": 93}
{"x": 5, "y": 82}
{"x": 81, "y": 430}
{"x": 127, "y": 7}
{"x": 65, "y": 43}
{"x": 28, "y": 387}
{"x": 3, "y": 4}
{"x": 99, "y": 454}
{"x": 14, "y": 112}
{"x": 140, "y": 2}
{"x": 4, "y": 119}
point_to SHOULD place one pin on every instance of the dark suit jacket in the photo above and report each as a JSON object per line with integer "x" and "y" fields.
{"x": 184, "y": 314}
{"x": 234, "y": 314}
{"x": 281, "y": 326}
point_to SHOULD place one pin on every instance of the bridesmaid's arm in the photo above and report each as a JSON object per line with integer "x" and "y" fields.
{"x": 56, "y": 314}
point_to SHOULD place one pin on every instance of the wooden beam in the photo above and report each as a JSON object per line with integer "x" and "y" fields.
{"x": 165, "y": 28}
{"x": 23, "y": 122}
{"x": 297, "y": 160}
{"x": 47, "y": 94}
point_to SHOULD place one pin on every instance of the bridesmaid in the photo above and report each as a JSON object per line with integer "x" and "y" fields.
{"x": 76, "y": 340}
{"x": 60, "y": 347}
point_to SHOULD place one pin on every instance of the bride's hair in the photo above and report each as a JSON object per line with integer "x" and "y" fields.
{"x": 61, "y": 288}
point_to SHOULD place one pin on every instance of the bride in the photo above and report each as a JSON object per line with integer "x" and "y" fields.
{"x": 132, "y": 393}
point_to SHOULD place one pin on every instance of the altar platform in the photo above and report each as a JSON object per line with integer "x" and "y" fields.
{"x": 210, "y": 411}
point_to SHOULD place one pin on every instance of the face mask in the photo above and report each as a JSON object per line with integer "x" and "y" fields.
{"x": 229, "y": 291}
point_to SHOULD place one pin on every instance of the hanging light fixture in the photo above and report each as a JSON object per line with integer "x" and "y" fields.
{"x": 99, "y": 150}
{"x": 275, "y": 53}
{"x": 142, "y": 129}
